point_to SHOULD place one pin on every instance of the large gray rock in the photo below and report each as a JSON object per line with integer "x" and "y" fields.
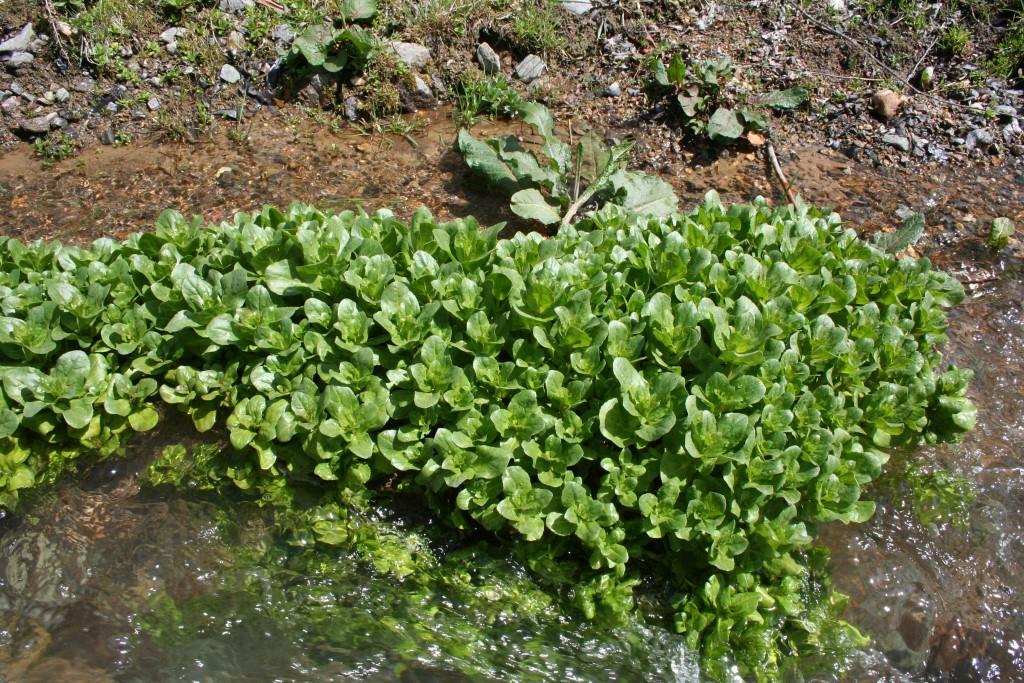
{"x": 530, "y": 69}
{"x": 20, "y": 41}
{"x": 16, "y": 59}
{"x": 489, "y": 60}
{"x": 38, "y": 125}
{"x": 412, "y": 55}
{"x": 229, "y": 74}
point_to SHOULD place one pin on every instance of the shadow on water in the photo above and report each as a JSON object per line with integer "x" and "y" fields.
{"x": 89, "y": 572}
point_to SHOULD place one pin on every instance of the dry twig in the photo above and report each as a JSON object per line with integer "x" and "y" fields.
{"x": 51, "y": 18}
{"x": 790, "y": 194}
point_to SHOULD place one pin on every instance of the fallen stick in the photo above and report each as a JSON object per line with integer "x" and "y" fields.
{"x": 51, "y": 18}
{"x": 779, "y": 174}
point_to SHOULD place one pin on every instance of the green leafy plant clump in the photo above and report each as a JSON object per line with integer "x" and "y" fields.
{"x": 699, "y": 89}
{"x": 672, "y": 403}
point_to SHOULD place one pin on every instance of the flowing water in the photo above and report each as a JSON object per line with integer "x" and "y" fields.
{"x": 103, "y": 579}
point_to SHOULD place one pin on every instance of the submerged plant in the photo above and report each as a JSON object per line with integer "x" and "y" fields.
{"x": 673, "y": 400}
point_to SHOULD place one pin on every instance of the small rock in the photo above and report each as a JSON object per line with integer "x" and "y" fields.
{"x": 927, "y": 78}
{"x": 412, "y": 55}
{"x": 37, "y": 125}
{"x": 18, "y": 90}
{"x": 58, "y": 122}
{"x": 62, "y": 95}
{"x": 1006, "y": 111}
{"x": 231, "y": 114}
{"x": 236, "y": 40}
{"x": 439, "y": 86}
{"x": 978, "y": 136}
{"x": 229, "y": 74}
{"x": 577, "y": 7}
{"x": 283, "y": 33}
{"x": 234, "y": 6}
{"x": 172, "y": 48}
{"x": 613, "y": 90}
{"x": 16, "y": 59}
{"x": 107, "y": 137}
{"x": 84, "y": 85}
{"x": 351, "y": 106}
{"x": 20, "y": 41}
{"x": 530, "y": 69}
{"x": 10, "y": 105}
{"x": 422, "y": 90}
{"x": 48, "y": 98}
{"x": 886, "y": 103}
{"x": 898, "y": 141}
{"x": 172, "y": 34}
{"x": 153, "y": 103}
{"x": 489, "y": 60}
{"x": 112, "y": 107}
{"x": 837, "y": 6}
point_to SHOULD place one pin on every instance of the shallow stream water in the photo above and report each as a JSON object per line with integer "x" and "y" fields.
{"x": 105, "y": 580}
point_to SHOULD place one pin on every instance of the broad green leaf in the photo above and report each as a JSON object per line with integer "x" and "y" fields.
{"x": 531, "y": 204}
{"x": 724, "y": 126}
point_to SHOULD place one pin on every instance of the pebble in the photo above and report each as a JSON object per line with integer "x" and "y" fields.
{"x": 235, "y": 40}
{"x": 16, "y": 59}
{"x": 886, "y": 103}
{"x": 58, "y": 122}
{"x": 10, "y": 105}
{"x": 234, "y": 6}
{"x": 978, "y": 136}
{"x": 283, "y": 33}
{"x": 153, "y": 103}
{"x": 107, "y": 137}
{"x": 422, "y": 90}
{"x": 172, "y": 34}
{"x": 577, "y": 7}
{"x": 20, "y": 41}
{"x": 229, "y": 74}
{"x": 227, "y": 114}
{"x": 489, "y": 60}
{"x": 351, "y": 106}
{"x": 898, "y": 141}
{"x": 84, "y": 85}
{"x": 530, "y": 69}
{"x": 412, "y": 55}
{"x": 613, "y": 90}
{"x": 62, "y": 95}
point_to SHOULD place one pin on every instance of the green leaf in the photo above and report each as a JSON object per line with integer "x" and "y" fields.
{"x": 724, "y": 126}
{"x": 644, "y": 194}
{"x": 482, "y": 159}
{"x": 907, "y": 234}
{"x": 1000, "y": 233}
{"x": 531, "y": 204}
{"x": 354, "y": 10}
{"x": 783, "y": 99}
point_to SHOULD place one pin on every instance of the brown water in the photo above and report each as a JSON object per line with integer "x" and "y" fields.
{"x": 940, "y": 602}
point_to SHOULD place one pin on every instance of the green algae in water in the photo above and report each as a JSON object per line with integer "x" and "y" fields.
{"x": 400, "y": 610}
